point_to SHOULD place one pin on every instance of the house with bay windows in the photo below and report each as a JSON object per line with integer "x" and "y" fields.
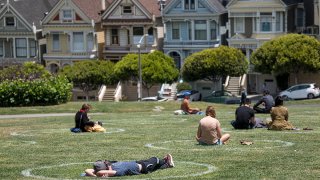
{"x": 191, "y": 26}
{"x": 127, "y": 23}
{"x": 71, "y": 32}
{"x": 253, "y": 22}
{"x": 19, "y": 30}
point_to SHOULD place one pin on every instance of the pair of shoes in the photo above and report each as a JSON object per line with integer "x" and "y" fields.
{"x": 169, "y": 160}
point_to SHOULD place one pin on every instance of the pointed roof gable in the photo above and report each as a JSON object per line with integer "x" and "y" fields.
{"x": 86, "y": 9}
{"x": 232, "y": 2}
{"x": 92, "y": 8}
{"x": 32, "y": 11}
{"x": 213, "y": 5}
{"x": 148, "y": 7}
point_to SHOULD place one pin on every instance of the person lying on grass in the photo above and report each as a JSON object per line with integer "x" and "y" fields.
{"x": 209, "y": 130}
{"x": 126, "y": 168}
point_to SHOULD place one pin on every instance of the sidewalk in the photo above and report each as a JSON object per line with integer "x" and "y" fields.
{"x": 41, "y": 115}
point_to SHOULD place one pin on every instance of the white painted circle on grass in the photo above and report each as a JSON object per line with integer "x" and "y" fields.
{"x": 154, "y": 145}
{"x": 209, "y": 169}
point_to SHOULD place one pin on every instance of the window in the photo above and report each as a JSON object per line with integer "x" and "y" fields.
{"x": 90, "y": 42}
{"x": 55, "y": 42}
{"x": 239, "y": 24}
{"x": 266, "y": 22}
{"x": 32, "y": 46}
{"x": 78, "y": 42}
{"x": 175, "y": 30}
{"x": 254, "y": 24}
{"x": 189, "y": 4}
{"x": 213, "y": 30}
{"x": 300, "y": 15}
{"x": 127, "y": 10}
{"x": 137, "y": 34}
{"x": 114, "y": 36}
{"x": 278, "y": 21}
{"x": 67, "y": 15}
{"x": 150, "y": 36}
{"x": 21, "y": 47}
{"x": 1, "y": 48}
{"x": 200, "y": 30}
{"x": 10, "y": 21}
{"x": 189, "y": 30}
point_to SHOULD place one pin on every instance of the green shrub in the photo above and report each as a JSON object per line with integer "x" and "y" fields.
{"x": 183, "y": 86}
{"x": 22, "y": 92}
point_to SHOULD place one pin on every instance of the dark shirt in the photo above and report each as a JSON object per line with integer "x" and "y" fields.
{"x": 268, "y": 102}
{"x": 243, "y": 115}
{"x": 81, "y": 119}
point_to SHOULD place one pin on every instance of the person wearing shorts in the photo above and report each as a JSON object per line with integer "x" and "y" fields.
{"x": 209, "y": 130}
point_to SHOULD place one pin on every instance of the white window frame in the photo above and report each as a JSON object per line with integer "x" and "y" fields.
{"x": 175, "y": 31}
{"x": 21, "y": 47}
{"x": 32, "y": 48}
{"x": 266, "y": 18}
{"x": 124, "y": 9}
{"x": 67, "y": 18}
{"x": 14, "y": 21}
{"x": 78, "y": 42}
{"x": 90, "y": 42}
{"x": 239, "y": 28}
{"x": 215, "y": 35}
{"x": 201, "y": 30}
{"x": 189, "y": 7}
{"x": 55, "y": 42}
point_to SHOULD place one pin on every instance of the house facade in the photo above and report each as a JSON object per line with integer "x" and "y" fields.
{"x": 70, "y": 32}
{"x": 191, "y": 26}
{"x": 127, "y": 23}
{"x": 19, "y": 30}
{"x": 253, "y": 22}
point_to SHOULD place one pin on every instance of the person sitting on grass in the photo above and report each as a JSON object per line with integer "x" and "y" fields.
{"x": 279, "y": 117}
{"x": 82, "y": 121}
{"x": 267, "y": 101}
{"x": 126, "y": 168}
{"x": 245, "y": 118}
{"x": 209, "y": 130}
{"x": 185, "y": 106}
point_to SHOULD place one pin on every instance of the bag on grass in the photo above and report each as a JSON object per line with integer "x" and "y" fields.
{"x": 75, "y": 130}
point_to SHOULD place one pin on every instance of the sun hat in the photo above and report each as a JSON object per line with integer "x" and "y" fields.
{"x": 99, "y": 165}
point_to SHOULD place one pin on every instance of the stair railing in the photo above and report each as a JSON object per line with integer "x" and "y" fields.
{"x": 101, "y": 92}
{"x": 226, "y": 83}
{"x": 118, "y": 92}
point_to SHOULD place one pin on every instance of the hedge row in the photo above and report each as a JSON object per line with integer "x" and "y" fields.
{"x": 50, "y": 91}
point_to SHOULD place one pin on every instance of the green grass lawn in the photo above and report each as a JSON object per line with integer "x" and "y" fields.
{"x": 44, "y": 148}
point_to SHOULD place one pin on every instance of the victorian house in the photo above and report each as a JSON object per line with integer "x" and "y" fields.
{"x": 19, "y": 30}
{"x": 191, "y": 26}
{"x": 127, "y": 23}
{"x": 71, "y": 32}
{"x": 253, "y": 22}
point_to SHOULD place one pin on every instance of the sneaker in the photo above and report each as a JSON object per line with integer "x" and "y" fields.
{"x": 170, "y": 160}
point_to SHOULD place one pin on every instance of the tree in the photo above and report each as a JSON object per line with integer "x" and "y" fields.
{"x": 90, "y": 74}
{"x": 156, "y": 68}
{"x": 212, "y": 64}
{"x": 292, "y": 53}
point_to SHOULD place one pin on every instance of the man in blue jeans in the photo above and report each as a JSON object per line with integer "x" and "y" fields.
{"x": 127, "y": 168}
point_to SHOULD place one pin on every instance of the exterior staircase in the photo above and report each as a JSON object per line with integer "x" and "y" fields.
{"x": 234, "y": 85}
{"x": 109, "y": 94}
{"x": 169, "y": 91}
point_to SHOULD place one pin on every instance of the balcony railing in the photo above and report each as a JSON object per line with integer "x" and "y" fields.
{"x": 190, "y": 43}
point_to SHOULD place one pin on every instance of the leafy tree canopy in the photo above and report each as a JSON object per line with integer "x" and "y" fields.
{"x": 90, "y": 74}
{"x": 26, "y": 71}
{"x": 292, "y": 53}
{"x": 156, "y": 67}
{"x": 212, "y": 64}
